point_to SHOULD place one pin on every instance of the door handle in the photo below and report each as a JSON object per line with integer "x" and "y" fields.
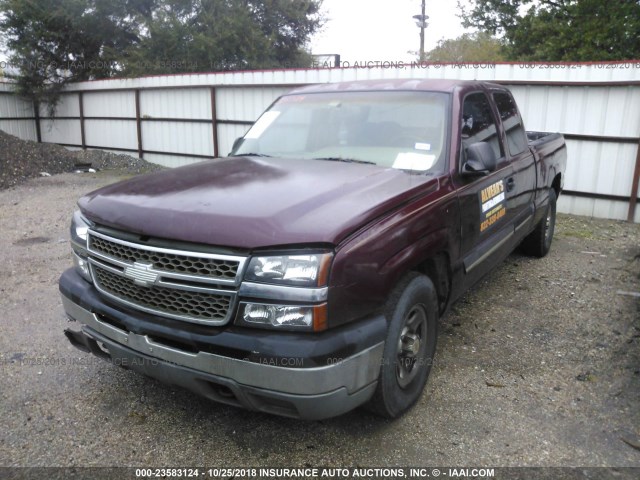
{"x": 511, "y": 184}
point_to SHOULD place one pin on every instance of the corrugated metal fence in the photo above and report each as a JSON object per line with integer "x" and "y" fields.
{"x": 178, "y": 119}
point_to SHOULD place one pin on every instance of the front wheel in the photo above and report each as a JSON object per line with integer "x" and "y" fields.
{"x": 409, "y": 347}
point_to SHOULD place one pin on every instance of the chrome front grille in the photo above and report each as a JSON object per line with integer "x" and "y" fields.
{"x": 168, "y": 301}
{"x": 163, "y": 260}
{"x": 192, "y": 286}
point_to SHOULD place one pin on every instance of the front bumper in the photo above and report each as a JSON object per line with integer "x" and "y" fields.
{"x": 268, "y": 383}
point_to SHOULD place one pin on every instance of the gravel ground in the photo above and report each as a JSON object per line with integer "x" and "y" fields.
{"x": 23, "y": 159}
{"x": 539, "y": 365}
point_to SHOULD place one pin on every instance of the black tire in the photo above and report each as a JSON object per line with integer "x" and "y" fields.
{"x": 538, "y": 242}
{"x": 410, "y": 346}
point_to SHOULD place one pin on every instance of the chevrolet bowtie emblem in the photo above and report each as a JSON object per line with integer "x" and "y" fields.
{"x": 141, "y": 273}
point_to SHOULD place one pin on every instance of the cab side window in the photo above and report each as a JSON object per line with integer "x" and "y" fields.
{"x": 512, "y": 122}
{"x": 478, "y": 124}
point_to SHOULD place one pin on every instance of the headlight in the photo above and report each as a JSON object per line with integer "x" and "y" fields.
{"x": 285, "y": 317}
{"x": 79, "y": 234}
{"x": 79, "y": 229}
{"x": 296, "y": 270}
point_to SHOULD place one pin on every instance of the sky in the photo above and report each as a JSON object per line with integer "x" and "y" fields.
{"x": 383, "y": 30}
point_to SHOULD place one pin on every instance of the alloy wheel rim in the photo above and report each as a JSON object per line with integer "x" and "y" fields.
{"x": 411, "y": 345}
{"x": 547, "y": 225}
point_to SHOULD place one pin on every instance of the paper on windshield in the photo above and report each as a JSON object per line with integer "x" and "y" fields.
{"x": 414, "y": 161}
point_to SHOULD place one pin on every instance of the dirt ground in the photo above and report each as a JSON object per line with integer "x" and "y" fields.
{"x": 24, "y": 159}
{"x": 538, "y": 366}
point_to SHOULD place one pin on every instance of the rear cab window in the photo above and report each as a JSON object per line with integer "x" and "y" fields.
{"x": 512, "y": 122}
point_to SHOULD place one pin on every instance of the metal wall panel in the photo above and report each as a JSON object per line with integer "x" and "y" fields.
{"x": 245, "y": 103}
{"x": 592, "y": 166}
{"x": 187, "y": 103}
{"x": 110, "y": 104}
{"x": 171, "y": 161}
{"x": 24, "y": 129}
{"x": 608, "y": 111}
{"x": 589, "y": 207}
{"x": 13, "y": 106}
{"x": 602, "y": 167}
{"x": 60, "y": 131}
{"x": 227, "y": 134}
{"x": 111, "y": 133}
{"x": 521, "y": 72}
{"x": 178, "y": 137}
{"x": 68, "y": 106}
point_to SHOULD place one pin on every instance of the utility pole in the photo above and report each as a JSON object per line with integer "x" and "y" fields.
{"x": 421, "y": 21}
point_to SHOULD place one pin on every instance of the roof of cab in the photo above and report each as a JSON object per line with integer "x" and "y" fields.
{"x": 420, "y": 84}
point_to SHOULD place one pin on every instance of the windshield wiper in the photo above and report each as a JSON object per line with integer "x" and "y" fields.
{"x": 250, "y": 154}
{"x": 347, "y": 160}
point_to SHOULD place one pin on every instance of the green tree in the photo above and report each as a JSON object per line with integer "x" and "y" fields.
{"x": 211, "y": 35}
{"x": 470, "y": 47}
{"x": 560, "y": 30}
{"x": 53, "y": 42}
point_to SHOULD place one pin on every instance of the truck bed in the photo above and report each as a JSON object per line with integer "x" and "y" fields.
{"x": 546, "y": 143}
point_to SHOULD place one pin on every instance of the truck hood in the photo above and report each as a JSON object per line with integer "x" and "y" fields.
{"x": 251, "y": 202}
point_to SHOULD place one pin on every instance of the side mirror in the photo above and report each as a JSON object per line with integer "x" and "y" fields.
{"x": 481, "y": 159}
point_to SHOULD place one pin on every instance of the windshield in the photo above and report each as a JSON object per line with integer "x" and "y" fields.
{"x": 404, "y": 130}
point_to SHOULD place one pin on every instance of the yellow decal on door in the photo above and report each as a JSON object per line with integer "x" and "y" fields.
{"x": 492, "y": 200}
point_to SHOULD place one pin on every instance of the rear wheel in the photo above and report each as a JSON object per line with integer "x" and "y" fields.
{"x": 409, "y": 347}
{"x": 538, "y": 242}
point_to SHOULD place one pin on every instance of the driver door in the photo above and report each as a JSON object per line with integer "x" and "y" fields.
{"x": 486, "y": 214}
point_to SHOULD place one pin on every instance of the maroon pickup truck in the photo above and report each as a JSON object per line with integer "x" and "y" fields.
{"x": 304, "y": 275}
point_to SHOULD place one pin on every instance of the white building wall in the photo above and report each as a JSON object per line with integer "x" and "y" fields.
{"x": 25, "y": 129}
{"x": 178, "y": 137}
{"x": 109, "y": 104}
{"x": 185, "y": 103}
{"x": 106, "y": 133}
{"x": 14, "y": 107}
